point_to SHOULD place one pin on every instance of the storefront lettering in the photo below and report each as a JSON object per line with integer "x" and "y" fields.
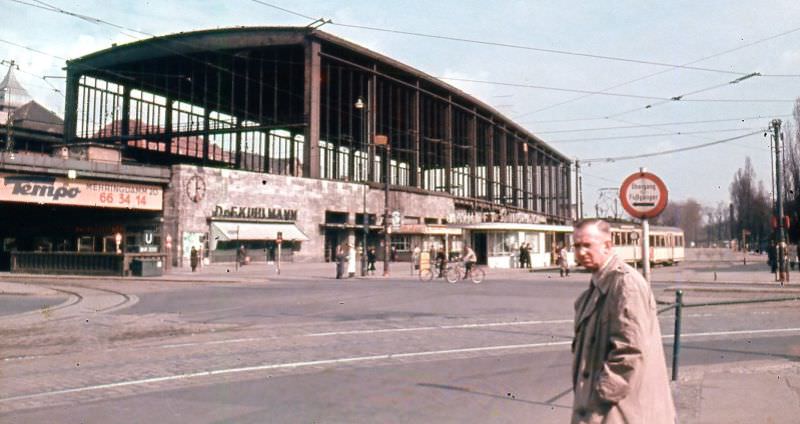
{"x": 503, "y": 216}
{"x": 255, "y": 213}
{"x": 31, "y": 188}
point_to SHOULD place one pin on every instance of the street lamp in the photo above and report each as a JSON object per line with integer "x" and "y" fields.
{"x": 361, "y": 105}
{"x": 384, "y": 140}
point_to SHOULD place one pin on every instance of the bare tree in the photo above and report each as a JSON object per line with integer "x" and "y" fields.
{"x": 688, "y": 215}
{"x": 791, "y": 162}
{"x": 751, "y": 204}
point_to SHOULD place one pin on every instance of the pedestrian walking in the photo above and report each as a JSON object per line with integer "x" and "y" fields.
{"x": 522, "y": 255}
{"x": 528, "y": 255}
{"x": 193, "y": 258}
{"x": 371, "y": 260}
{"x": 415, "y": 259}
{"x": 619, "y": 374}
{"x": 351, "y": 261}
{"x": 341, "y": 259}
{"x": 563, "y": 261}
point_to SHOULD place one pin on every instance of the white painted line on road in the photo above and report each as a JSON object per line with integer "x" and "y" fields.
{"x": 389, "y": 356}
{"x": 268, "y": 367}
{"x": 736, "y": 332}
{"x": 370, "y": 331}
{"x": 440, "y": 327}
{"x": 214, "y": 342}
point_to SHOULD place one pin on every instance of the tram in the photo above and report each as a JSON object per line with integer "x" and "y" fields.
{"x": 666, "y": 244}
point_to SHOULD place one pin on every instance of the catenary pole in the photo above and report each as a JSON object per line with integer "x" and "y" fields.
{"x": 781, "y": 239}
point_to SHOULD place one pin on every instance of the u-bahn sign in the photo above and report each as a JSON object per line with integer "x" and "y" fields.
{"x": 643, "y": 195}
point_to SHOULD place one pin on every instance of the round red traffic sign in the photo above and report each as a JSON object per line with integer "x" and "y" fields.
{"x": 643, "y": 195}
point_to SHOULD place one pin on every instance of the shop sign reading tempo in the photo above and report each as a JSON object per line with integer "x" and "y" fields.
{"x": 643, "y": 195}
{"x": 45, "y": 189}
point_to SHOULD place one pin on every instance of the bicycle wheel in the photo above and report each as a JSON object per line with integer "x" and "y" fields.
{"x": 426, "y": 275}
{"x": 453, "y": 274}
{"x": 477, "y": 275}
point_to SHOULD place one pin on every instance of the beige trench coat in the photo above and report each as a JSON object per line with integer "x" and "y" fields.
{"x": 619, "y": 374}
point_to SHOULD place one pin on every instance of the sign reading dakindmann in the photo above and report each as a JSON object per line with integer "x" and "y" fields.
{"x": 254, "y": 213}
{"x": 53, "y": 190}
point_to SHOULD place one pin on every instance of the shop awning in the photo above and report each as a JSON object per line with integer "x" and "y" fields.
{"x": 227, "y": 231}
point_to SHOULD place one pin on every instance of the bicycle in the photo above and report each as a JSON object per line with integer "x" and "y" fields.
{"x": 458, "y": 271}
{"x": 431, "y": 272}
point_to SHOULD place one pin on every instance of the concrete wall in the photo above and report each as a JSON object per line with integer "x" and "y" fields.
{"x": 311, "y": 198}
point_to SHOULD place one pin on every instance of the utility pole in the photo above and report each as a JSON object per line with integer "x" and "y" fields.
{"x": 387, "y": 238}
{"x": 781, "y": 237}
{"x": 578, "y": 199}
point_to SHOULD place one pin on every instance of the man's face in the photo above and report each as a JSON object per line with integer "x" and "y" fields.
{"x": 592, "y": 247}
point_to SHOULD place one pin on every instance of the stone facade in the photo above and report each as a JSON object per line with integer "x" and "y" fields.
{"x": 188, "y": 209}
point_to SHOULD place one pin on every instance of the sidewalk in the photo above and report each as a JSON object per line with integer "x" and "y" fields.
{"x": 258, "y": 272}
{"x": 739, "y": 393}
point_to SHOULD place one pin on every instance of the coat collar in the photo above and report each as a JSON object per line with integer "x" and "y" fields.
{"x": 601, "y": 281}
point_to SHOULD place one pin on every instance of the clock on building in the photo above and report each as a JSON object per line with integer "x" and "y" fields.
{"x": 196, "y": 188}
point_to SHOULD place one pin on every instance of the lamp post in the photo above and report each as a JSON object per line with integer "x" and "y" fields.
{"x": 362, "y": 106}
{"x": 387, "y": 240}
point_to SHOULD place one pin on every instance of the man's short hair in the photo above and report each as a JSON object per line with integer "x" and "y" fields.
{"x": 600, "y": 224}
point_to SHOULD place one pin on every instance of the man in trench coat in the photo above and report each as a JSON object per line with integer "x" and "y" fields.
{"x": 619, "y": 374}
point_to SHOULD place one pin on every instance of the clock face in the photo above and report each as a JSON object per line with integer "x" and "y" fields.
{"x": 196, "y": 188}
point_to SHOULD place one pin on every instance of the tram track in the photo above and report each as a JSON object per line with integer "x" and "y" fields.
{"x": 94, "y": 299}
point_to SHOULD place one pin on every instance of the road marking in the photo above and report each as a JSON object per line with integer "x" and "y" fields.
{"x": 440, "y": 327}
{"x": 338, "y": 361}
{"x": 735, "y": 332}
{"x": 370, "y": 331}
{"x": 268, "y": 367}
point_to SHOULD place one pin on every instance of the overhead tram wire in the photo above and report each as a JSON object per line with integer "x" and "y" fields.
{"x": 681, "y": 98}
{"x": 702, "y": 59}
{"x": 508, "y": 45}
{"x": 664, "y": 134}
{"x": 668, "y": 152}
{"x": 653, "y": 125}
{"x": 542, "y": 87}
{"x": 664, "y": 130}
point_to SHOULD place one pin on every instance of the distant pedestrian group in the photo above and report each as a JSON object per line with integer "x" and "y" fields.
{"x": 345, "y": 261}
{"x": 525, "y": 255}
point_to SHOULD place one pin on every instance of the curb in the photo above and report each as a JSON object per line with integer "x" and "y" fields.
{"x": 734, "y": 289}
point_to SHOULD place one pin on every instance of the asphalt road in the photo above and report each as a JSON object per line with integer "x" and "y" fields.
{"x": 346, "y": 351}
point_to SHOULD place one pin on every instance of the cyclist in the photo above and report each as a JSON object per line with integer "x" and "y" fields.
{"x": 441, "y": 262}
{"x": 469, "y": 260}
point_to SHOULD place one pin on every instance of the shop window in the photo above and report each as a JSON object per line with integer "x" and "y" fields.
{"x": 431, "y": 220}
{"x": 402, "y": 243}
{"x": 86, "y": 244}
{"x": 501, "y": 243}
{"x": 109, "y": 244}
{"x": 371, "y": 219}
{"x": 533, "y": 240}
{"x": 335, "y": 217}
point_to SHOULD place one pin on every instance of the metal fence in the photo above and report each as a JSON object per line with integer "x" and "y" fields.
{"x": 678, "y": 307}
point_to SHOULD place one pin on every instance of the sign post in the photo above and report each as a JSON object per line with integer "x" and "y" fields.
{"x": 279, "y": 241}
{"x": 644, "y": 195}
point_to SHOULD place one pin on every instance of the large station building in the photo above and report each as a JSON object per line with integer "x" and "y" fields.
{"x": 225, "y": 138}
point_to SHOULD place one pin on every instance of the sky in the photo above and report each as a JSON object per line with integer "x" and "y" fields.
{"x": 537, "y": 62}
